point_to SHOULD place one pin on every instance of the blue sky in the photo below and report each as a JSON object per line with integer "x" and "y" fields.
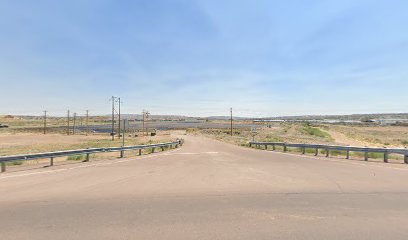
{"x": 263, "y": 58}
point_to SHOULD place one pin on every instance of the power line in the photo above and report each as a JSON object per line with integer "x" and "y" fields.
{"x": 119, "y": 118}
{"x": 145, "y": 115}
{"x": 113, "y": 118}
{"x": 68, "y": 130}
{"x": 143, "y": 127}
{"x": 73, "y": 126}
{"x": 45, "y": 121}
{"x": 231, "y": 121}
{"x": 87, "y": 122}
{"x": 124, "y": 132}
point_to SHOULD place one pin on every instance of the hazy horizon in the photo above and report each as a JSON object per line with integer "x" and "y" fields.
{"x": 80, "y": 114}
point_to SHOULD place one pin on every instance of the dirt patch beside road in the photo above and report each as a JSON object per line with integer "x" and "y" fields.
{"x": 14, "y": 144}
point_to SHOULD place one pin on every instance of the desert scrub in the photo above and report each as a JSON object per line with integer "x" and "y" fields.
{"x": 157, "y": 149}
{"x": 337, "y": 152}
{"x": 272, "y": 138}
{"x": 310, "y": 150}
{"x": 313, "y": 131}
{"x": 372, "y": 155}
{"x": 76, "y": 157}
{"x": 376, "y": 155}
{"x": 244, "y": 144}
{"x": 15, "y": 163}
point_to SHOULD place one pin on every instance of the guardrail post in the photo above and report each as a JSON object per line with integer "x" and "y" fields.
{"x": 266, "y": 147}
{"x": 250, "y": 145}
{"x": 273, "y": 147}
{"x": 162, "y": 148}
{"x": 327, "y": 152}
{"x": 121, "y": 153}
{"x": 316, "y": 151}
{"x": 285, "y": 148}
{"x": 406, "y": 159}
{"x": 153, "y": 150}
{"x": 51, "y": 161}
{"x": 87, "y": 157}
{"x": 3, "y": 166}
{"x": 385, "y": 157}
{"x": 140, "y": 152}
{"x": 366, "y": 156}
{"x": 303, "y": 150}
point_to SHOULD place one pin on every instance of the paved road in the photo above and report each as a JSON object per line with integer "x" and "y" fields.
{"x": 207, "y": 190}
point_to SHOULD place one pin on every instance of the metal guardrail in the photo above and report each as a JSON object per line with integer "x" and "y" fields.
{"x": 87, "y": 152}
{"x": 328, "y": 148}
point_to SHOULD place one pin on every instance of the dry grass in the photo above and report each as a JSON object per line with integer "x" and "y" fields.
{"x": 14, "y": 144}
{"x": 24, "y": 136}
{"x": 390, "y": 136}
{"x": 372, "y": 136}
{"x": 35, "y": 124}
{"x": 276, "y": 133}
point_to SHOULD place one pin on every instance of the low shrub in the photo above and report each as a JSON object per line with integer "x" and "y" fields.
{"x": 310, "y": 150}
{"x": 375, "y": 155}
{"x": 370, "y": 155}
{"x": 337, "y": 153}
{"x": 315, "y": 132}
{"x": 76, "y": 157}
{"x": 15, "y": 163}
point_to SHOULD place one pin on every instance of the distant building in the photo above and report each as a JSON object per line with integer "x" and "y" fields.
{"x": 391, "y": 121}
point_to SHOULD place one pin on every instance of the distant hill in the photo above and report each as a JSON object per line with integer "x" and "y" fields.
{"x": 343, "y": 117}
{"x": 351, "y": 117}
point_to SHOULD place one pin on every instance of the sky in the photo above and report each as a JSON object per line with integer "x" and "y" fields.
{"x": 201, "y": 57}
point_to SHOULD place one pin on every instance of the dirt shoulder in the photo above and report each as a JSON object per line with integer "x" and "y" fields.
{"x": 25, "y": 143}
{"x": 372, "y": 136}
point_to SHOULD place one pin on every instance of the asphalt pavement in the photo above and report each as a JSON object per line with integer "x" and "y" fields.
{"x": 207, "y": 190}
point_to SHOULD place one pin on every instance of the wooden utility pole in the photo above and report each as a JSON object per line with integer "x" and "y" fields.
{"x": 231, "y": 121}
{"x": 147, "y": 121}
{"x": 68, "y": 130}
{"x": 73, "y": 126}
{"x": 113, "y": 118}
{"x": 45, "y": 121}
{"x": 124, "y": 132}
{"x": 87, "y": 122}
{"x": 143, "y": 128}
{"x": 119, "y": 118}
{"x": 145, "y": 117}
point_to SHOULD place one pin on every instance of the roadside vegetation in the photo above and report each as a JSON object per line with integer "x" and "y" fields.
{"x": 15, "y": 144}
{"x": 282, "y": 132}
{"x": 314, "y": 131}
{"x": 370, "y": 136}
{"x": 352, "y": 135}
